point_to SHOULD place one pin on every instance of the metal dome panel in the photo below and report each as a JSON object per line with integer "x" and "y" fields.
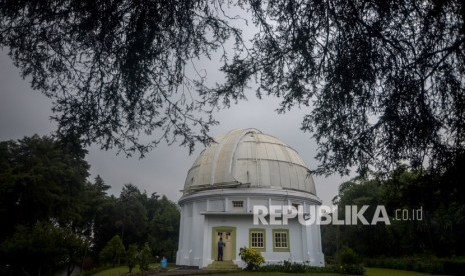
{"x": 248, "y": 158}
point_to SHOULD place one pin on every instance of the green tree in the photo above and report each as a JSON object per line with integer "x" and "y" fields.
{"x": 96, "y": 201}
{"x": 42, "y": 183}
{"x": 145, "y": 256}
{"x": 437, "y": 231}
{"x": 131, "y": 215}
{"x": 104, "y": 224}
{"x": 42, "y": 249}
{"x": 164, "y": 227}
{"x": 141, "y": 43}
{"x": 40, "y": 180}
{"x": 363, "y": 191}
{"x": 113, "y": 251}
{"x": 132, "y": 256}
{"x": 348, "y": 256}
{"x": 383, "y": 78}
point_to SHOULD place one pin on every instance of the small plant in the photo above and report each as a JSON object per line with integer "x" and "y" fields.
{"x": 352, "y": 269}
{"x": 294, "y": 267}
{"x": 347, "y": 256}
{"x": 113, "y": 251}
{"x": 251, "y": 257}
{"x": 144, "y": 258}
{"x": 350, "y": 262}
{"x": 131, "y": 256}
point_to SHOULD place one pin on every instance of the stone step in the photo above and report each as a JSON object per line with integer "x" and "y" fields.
{"x": 222, "y": 265}
{"x": 222, "y": 268}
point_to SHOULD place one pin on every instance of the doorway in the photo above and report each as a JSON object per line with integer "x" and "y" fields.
{"x": 228, "y": 234}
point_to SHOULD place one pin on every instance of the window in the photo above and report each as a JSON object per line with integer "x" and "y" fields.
{"x": 281, "y": 240}
{"x": 238, "y": 204}
{"x": 257, "y": 239}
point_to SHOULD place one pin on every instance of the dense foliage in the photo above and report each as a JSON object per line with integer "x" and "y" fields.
{"x": 145, "y": 256}
{"x": 42, "y": 188}
{"x": 54, "y": 219}
{"x": 383, "y": 80}
{"x": 293, "y": 267}
{"x": 429, "y": 264}
{"x": 113, "y": 251}
{"x": 252, "y": 258}
{"x": 42, "y": 249}
{"x": 438, "y": 232}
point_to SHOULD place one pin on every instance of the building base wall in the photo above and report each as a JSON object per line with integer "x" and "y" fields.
{"x": 200, "y": 216}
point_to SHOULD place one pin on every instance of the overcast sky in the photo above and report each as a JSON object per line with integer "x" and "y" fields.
{"x": 24, "y": 112}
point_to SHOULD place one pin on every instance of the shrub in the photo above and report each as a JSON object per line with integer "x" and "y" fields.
{"x": 131, "y": 256}
{"x": 352, "y": 269}
{"x": 294, "y": 267}
{"x": 290, "y": 267}
{"x": 251, "y": 257}
{"x": 347, "y": 256}
{"x": 429, "y": 265}
{"x": 453, "y": 267}
{"x": 113, "y": 251}
{"x": 285, "y": 266}
{"x": 144, "y": 258}
{"x": 270, "y": 268}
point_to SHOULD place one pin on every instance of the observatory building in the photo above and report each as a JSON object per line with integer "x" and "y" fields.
{"x": 243, "y": 169}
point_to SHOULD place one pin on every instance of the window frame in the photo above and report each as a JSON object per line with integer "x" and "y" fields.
{"x": 257, "y": 230}
{"x": 237, "y": 201}
{"x": 288, "y": 240}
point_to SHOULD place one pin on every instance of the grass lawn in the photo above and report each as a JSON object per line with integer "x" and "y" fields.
{"x": 389, "y": 272}
{"x": 123, "y": 270}
{"x": 369, "y": 272}
{"x": 246, "y": 273}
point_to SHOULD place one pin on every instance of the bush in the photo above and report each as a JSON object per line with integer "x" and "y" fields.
{"x": 289, "y": 267}
{"x": 352, "y": 269}
{"x": 144, "y": 258}
{"x": 453, "y": 267}
{"x": 270, "y": 268}
{"x": 113, "y": 251}
{"x": 294, "y": 267}
{"x": 429, "y": 265}
{"x": 131, "y": 256}
{"x": 347, "y": 256}
{"x": 251, "y": 257}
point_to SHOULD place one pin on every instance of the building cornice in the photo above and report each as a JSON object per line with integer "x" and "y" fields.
{"x": 263, "y": 193}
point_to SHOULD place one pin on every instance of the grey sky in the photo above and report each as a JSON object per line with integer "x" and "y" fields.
{"x": 24, "y": 112}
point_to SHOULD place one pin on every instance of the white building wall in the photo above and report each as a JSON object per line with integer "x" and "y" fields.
{"x": 182, "y": 256}
{"x": 198, "y": 217}
{"x": 191, "y": 236}
{"x": 300, "y": 249}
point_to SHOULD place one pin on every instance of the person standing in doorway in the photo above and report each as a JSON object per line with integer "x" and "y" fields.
{"x": 221, "y": 245}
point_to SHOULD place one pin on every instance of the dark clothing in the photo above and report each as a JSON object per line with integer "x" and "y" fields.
{"x": 220, "y": 250}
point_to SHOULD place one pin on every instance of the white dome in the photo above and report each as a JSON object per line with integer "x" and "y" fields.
{"x": 248, "y": 158}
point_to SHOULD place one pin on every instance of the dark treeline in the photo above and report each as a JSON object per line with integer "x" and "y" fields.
{"x": 54, "y": 218}
{"x": 438, "y": 232}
